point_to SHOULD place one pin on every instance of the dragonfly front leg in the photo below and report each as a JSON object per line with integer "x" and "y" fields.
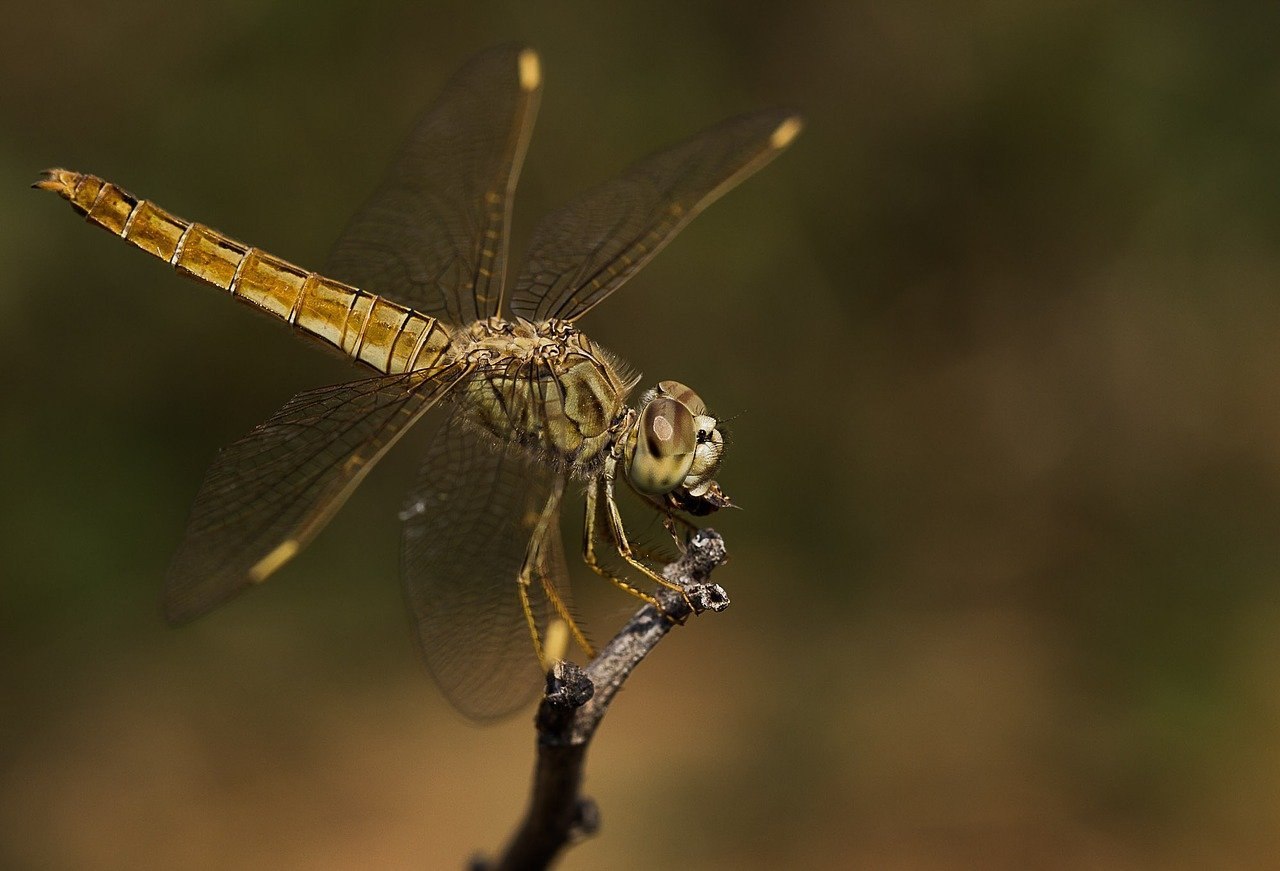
{"x": 592, "y": 533}
{"x": 619, "y": 534}
{"x": 670, "y": 520}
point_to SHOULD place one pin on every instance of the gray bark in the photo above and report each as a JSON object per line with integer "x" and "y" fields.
{"x": 576, "y": 701}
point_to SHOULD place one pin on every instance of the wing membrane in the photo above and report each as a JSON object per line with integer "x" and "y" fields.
{"x": 434, "y": 234}
{"x": 469, "y": 526}
{"x": 267, "y": 495}
{"x": 587, "y": 249}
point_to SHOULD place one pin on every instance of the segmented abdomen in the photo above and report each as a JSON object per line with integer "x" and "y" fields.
{"x": 388, "y": 337}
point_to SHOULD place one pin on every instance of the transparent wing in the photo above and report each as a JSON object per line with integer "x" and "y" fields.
{"x": 266, "y": 496}
{"x": 434, "y": 235}
{"x": 587, "y": 249}
{"x": 469, "y": 530}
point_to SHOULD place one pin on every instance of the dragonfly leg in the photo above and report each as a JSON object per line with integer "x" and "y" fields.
{"x": 670, "y": 520}
{"x": 592, "y": 534}
{"x": 562, "y": 611}
{"x": 523, "y": 587}
{"x": 619, "y": 535}
{"x": 539, "y": 562}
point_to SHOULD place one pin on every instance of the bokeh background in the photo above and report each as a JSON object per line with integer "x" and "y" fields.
{"x": 1000, "y": 342}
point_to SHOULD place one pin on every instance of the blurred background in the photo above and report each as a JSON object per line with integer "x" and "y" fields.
{"x": 998, "y": 343}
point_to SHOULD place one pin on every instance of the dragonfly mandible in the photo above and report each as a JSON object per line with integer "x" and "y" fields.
{"x": 534, "y": 402}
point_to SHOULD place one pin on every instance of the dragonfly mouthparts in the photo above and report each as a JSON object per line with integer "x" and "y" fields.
{"x": 713, "y": 499}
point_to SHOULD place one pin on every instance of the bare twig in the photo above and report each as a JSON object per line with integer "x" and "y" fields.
{"x": 576, "y": 700}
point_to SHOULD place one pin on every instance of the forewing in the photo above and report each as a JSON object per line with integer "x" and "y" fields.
{"x": 266, "y": 496}
{"x": 587, "y": 249}
{"x": 433, "y": 236}
{"x": 468, "y": 530}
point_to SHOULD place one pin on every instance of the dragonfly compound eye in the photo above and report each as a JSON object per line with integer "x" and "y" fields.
{"x": 684, "y": 395}
{"x": 663, "y": 443}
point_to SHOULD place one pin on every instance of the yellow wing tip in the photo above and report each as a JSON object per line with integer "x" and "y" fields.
{"x": 530, "y": 69}
{"x": 267, "y": 566}
{"x": 60, "y": 181}
{"x": 785, "y": 132}
{"x": 556, "y": 644}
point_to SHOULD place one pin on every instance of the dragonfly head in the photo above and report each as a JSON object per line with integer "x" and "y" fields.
{"x": 674, "y": 449}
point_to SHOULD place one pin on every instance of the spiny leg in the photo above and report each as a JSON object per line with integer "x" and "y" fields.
{"x": 550, "y": 566}
{"x": 522, "y": 585}
{"x": 591, "y": 534}
{"x": 562, "y": 611}
{"x": 670, "y": 519}
{"x": 619, "y": 534}
{"x": 539, "y": 563}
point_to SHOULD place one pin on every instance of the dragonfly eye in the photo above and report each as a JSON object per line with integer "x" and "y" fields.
{"x": 662, "y": 446}
{"x": 684, "y": 395}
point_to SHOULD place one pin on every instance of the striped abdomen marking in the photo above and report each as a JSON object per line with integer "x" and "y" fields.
{"x": 388, "y": 337}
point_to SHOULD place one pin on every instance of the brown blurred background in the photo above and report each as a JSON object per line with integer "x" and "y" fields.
{"x": 998, "y": 338}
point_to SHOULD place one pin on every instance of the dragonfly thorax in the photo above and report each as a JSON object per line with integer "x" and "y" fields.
{"x": 545, "y": 387}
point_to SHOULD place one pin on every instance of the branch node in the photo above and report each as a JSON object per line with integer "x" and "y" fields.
{"x": 704, "y": 552}
{"x": 568, "y": 686}
{"x": 586, "y": 820}
{"x": 708, "y": 597}
{"x": 568, "y": 689}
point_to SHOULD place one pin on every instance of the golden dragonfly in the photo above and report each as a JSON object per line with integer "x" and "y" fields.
{"x": 535, "y": 403}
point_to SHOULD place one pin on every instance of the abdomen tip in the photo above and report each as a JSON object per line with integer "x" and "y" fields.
{"x": 61, "y": 181}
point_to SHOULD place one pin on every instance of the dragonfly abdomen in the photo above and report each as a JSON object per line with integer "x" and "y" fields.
{"x": 371, "y": 329}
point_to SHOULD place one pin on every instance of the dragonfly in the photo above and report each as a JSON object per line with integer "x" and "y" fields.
{"x": 533, "y": 404}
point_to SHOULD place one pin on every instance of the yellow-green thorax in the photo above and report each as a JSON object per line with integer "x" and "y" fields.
{"x": 546, "y": 387}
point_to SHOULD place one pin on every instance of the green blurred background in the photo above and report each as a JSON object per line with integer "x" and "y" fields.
{"x": 998, "y": 338}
